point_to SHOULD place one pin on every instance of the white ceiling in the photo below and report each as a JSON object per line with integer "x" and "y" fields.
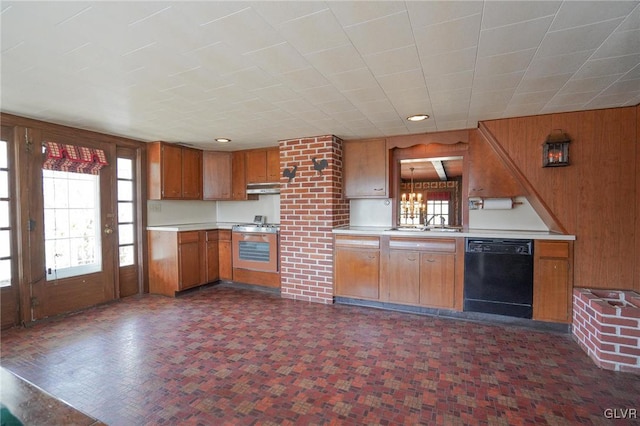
{"x": 263, "y": 71}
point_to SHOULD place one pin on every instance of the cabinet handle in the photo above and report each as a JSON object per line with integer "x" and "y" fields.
{"x": 371, "y": 256}
{"x": 411, "y": 260}
{"x": 378, "y": 189}
{"x": 430, "y": 260}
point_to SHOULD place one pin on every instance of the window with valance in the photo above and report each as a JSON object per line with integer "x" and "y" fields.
{"x": 71, "y": 158}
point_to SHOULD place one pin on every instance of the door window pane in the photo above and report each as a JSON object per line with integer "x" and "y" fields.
{"x": 126, "y": 255}
{"x": 4, "y": 184}
{"x": 4, "y": 156}
{"x": 125, "y": 212}
{"x": 4, "y": 214}
{"x": 5, "y": 273}
{"x": 125, "y": 234}
{"x": 5, "y": 246}
{"x": 5, "y": 218}
{"x": 72, "y": 224}
{"x": 125, "y": 190}
{"x": 125, "y": 168}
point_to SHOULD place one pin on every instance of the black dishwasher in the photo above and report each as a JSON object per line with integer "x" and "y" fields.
{"x": 498, "y": 276}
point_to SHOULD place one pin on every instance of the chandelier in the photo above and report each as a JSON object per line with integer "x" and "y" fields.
{"x": 411, "y": 206}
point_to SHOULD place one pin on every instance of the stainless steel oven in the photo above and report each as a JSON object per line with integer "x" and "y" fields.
{"x": 255, "y": 247}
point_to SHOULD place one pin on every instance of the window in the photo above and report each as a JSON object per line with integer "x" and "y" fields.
{"x": 5, "y": 219}
{"x": 437, "y": 211}
{"x": 126, "y": 209}
{"x": 71, "y": 223}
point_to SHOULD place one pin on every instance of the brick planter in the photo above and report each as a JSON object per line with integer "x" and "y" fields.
{"x": 606, "y": 325}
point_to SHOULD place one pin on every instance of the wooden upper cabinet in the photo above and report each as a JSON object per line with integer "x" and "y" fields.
{"x": 365, "y": 169}
{"x": 238, "y": 177}
{"x": 216, "y": 175}
{"x": 488, "y": 176}
{"x": 552, "y": 281}
{"x": 263, "y": 165}
{"x": 256, "y": 166}
{"x": 175, "y": 172}
{"x": 273, "y": 164}
{"x": 191, "y": 174}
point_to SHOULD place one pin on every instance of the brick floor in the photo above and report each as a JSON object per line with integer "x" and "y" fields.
{"x": 225, "y": 355}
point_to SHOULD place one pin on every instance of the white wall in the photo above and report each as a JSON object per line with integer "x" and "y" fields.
{"x": 370, "y": 212}
{"x": 244, "y": 211}
{"x": 176, "y": 212}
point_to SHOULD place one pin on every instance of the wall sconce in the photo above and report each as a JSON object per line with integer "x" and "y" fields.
{"x": 555, "y": 150}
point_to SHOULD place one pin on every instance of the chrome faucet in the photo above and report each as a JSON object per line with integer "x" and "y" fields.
{"x": 442, "y": 220}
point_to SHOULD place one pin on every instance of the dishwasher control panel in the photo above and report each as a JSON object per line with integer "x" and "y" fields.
{"x": 499, "y": 246}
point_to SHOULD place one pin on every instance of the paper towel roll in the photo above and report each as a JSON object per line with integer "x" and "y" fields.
{"x": 497, "y": 204}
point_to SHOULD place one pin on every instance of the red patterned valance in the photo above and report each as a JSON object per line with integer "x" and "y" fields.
{"x": 71, "y": 158}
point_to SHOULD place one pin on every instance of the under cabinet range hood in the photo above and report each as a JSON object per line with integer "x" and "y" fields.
{"x": 263, "y": 188}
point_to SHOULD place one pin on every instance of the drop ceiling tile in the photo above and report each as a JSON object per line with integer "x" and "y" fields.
{"x": 303, "y": 33}
{"x": 393, "y": 61}
{"x": 423, "y": 13}
{"x": 451, "y": 97}
{"x": 451, "y": 125}
{"x": 608, "y": 66}
{"x": 364, "y": 94}
{"x": 277, "y": 13}
{"x": 447, "y": 36}
{"x": 619, "y": 44}
{"x": 505, "y": 63}
{"x": 577, "y": 13}
{"x": 278, "y": 59}
{"x": 553, "y": 65}
{"x": 497, "y": 82}
{"x": 632, "y": 21}
{"x": 337, "y": 106}
{"x": 612, "y": 100}
{"x": 573, "y": 98}
{"x": 379, "y": 35}
{"x": 450, "y": 107}
{"x": 622, "y": 87}
{"x": 532, "y": 98}
{"x": 449, "y": 63}
{"x": 513, "y": 38}
{"x": 417, "y": 94}
{"x": 401, "y": 81}
{"x": 632, "y": 74}
{"x": 303, "y": 79}
{"x": 521, "y": 110}
{"x": 276, "y": 93}
{"x": 336, "y": 60}
{"x": 220, "y": 58}
{"x": 447, "y": 82}
{"x": 353, "y": 13}
{"x": 552, "y": 82}
{"x": 501, "y": 13}
{"x": 582, "y": 85}
{"x": 576, "y": 39}
{"x": 322, "y": 94}
{"x": 354, "y": 79}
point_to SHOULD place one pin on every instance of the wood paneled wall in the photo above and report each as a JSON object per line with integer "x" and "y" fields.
{"x": 596, "y": 198}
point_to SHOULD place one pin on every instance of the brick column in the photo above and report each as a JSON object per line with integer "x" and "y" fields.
{"x": 311, "y": 205}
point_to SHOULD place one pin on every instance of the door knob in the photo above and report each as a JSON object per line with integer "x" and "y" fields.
{"x": 108, "y": 230}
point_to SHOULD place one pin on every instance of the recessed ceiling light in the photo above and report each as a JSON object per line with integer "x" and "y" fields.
{"x": 418, "y": 117}
{"x": 223, "y": 140}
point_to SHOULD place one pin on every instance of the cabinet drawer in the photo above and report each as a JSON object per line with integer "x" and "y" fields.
{"x": 357, "y": 241}
{"x": 424, "y": 244}
{"x": 211, "y": 236}
{"x": 552, "y": 249}
{"x": 188, "y": 237}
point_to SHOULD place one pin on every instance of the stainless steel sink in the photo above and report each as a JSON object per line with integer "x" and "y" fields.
{"x": 445, "y": 229}
{"x": 422, "y": 229}
{"x": 407, "y": 228}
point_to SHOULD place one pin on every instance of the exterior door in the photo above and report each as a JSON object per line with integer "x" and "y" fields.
{"x": 72, "y": 233}
{"x": 8, "y": 252}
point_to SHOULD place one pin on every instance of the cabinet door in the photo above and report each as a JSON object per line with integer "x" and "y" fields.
{"x": 437, "y": 279}
{"x": 404, "y": 276}
{"x": 191, "y": 174}
{"x": 273, "y": 165}
{"x": 212, "y": 256}
{"x": 488, "y": 177}
{"x": 550, "y": 295}
{"x": 189, "y": 258}
{"x": 256, "y": 166}
{"x": 365, "y": 169}
{"x": 357, "y": 273}
{"x": 238, "y": 180}
{"x": 216, "y": 175}
{"x": 171, "y": 169}
{"x": 224, "y": 255}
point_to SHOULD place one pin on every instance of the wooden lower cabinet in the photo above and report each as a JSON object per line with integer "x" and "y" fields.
{"x": 437, "y": 279}
{"x": 404, "y": 273}
{"x": 224, "y": 255}
{"x": 422, "y": 272}
{"x": 182, "y": 260}
{"x": 357, "y": 267}
{"x": 552, "y": 281}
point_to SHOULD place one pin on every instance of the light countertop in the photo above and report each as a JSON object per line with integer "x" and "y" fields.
{"x": 192, "y": 226}
{"x": 467, "y": 233}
